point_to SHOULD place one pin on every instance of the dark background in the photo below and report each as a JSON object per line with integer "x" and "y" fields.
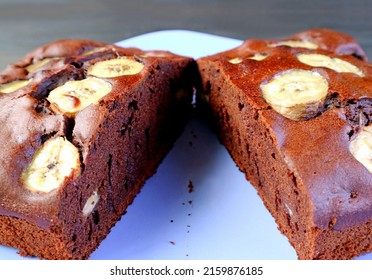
{"x": 26, "y": 24}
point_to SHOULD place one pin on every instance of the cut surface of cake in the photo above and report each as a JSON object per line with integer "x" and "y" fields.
{"x": 295, "y": 116}
{"x": 83, "y": 126}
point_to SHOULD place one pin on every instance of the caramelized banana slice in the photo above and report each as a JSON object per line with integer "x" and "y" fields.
{"x": 115, "y": 68}
{"x": 296, "y": 44}
{"x": 361, "y": 147}
{"x": 336, "y": 64}
{"x": 236, "y": 60}
{"x": 296, "y": 94}
{"x": 256, "y": 56}
{"x": 94, "y": 50}
{"x": 13, "y": 86}
{"x": 74, "y": 96}
{"x": 56, "y": 160}
{"x": 38, "y": 64}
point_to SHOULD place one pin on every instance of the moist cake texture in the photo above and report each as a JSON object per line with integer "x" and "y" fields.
{"x": 295, "y": 116}
{"x": 83, "y": 125}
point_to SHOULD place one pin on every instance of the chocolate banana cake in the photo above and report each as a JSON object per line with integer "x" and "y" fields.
{"x": 295, "y": 115}
{"x": 83, "y": 125}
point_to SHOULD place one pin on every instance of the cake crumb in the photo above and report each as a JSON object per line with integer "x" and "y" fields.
{"x": 191, "y": 186}
{"x": 332, "y": 223}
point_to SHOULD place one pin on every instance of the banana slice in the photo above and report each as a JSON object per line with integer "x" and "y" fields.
{"x": 94, "y": 50}
{"x": 56, "y": 160}
{"x": 336, "y": 64}
{"x": 13, "y": 86}
{"x": 296, "y": 44}
{"x": 91, "y": 203}
{"x": 256, "y": 56}
{"x": 361, "y": 147}
{"x": 38, "y": 64}
{"x": 236, "y": 60}
{"x": 115, "y": 68}
{"x": 74, "y": 96}
{"x": 296, "y": 94}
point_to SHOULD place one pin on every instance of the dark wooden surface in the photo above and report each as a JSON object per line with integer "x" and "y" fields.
{"x": 25, "y": 24}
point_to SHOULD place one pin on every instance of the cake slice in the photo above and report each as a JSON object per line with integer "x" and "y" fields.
{"x": 295, "y": 115}
{"x": 83, "y": 125}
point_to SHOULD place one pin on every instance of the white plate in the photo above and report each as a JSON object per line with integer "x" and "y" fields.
{"x": 222, "y": 218}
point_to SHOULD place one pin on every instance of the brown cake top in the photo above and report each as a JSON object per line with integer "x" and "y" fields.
{"x": 314, "y": 92}
{"x": 52, "y": 103}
